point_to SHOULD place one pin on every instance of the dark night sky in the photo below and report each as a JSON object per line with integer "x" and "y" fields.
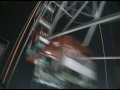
{"x": 13, "y": 15}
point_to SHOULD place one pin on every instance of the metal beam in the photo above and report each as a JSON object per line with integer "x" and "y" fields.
{"x": 57, "y": 17}
{"x": 94, "y": 7}
{"x": 68, "y": 8}
{"x": 79, "y": 11}
{"x": 86, "y": 14}
{"x": 88, "y": 9}
{"x": 92, "y": 29}
{"x": 99, "y": 58}
{"x": 89, "y": 24}
{"x": 63, "y": 9}
{"x": 42, "y": 11}
{"x": 89, "y": 36}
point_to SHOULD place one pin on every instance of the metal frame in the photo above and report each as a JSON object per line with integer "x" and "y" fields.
{"x": 97, "y": 15}
{"x": 92, "y": 24}
{"x": 74, "y": 17}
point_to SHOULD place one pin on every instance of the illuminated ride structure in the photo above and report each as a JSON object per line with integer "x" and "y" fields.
{"x": 60, "y": 43}
{"x": 57, "y": 60}
{"x": 59, "y": 57}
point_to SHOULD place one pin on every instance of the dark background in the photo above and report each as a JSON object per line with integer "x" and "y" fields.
{"x": 13, "y": 15}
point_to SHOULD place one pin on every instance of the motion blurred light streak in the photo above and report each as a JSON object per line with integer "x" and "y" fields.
{"x": 72, "y": 64}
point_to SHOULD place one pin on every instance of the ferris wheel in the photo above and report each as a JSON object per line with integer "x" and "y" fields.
{"x": 59, "y": 42}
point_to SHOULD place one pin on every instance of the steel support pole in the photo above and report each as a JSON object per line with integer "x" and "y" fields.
{"x": 92, "y": 29}
{"x": 104, "y": 19}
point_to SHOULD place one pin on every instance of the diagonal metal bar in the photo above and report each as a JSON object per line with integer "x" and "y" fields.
{"x": 88, "y": 9}
{"x": 57, "y": 17}
{"x": 86, "y": 14}
{"x": 67, "y": 10}
{"x": 63, "y": 9}
{"x": 70, "y": 7}
{"x": 91, "y": 31}
{"x": 89, "y": 36}
{"x": 45, "y": 7}
{"x": 104, "y": 19}
{"x": 94, "y": 7}
{"x": 79, "y": 11}
{"x": 99, "y": 58}
{"x": 42, "y": 10}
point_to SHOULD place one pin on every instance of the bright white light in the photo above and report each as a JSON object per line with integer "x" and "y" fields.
{"x": 44, "y": 40}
